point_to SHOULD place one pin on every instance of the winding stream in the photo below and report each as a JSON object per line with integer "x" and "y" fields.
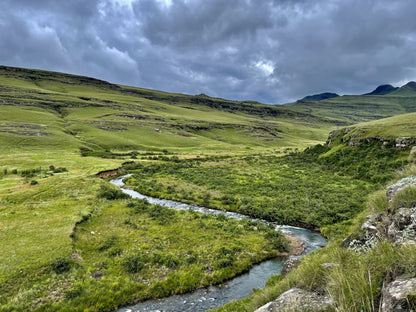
{"x": 234, "y": 289}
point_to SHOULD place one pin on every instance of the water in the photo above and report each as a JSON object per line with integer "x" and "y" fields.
{"x": 237, "y": 288}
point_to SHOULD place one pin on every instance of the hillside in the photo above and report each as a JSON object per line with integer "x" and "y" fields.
{"x": 385, "y": 101}
{"x": 72, "y": 111}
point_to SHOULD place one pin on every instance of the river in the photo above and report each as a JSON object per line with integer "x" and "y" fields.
{"x": 237, "y": 288}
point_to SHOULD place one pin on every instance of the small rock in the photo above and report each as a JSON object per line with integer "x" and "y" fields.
{"x": 92, "y": 232}
{"x": 368, "y": 226}
{"x": 97, "y": 275}
{"x": 391, "y": 232}
{"x": 413, "y": 150}
{"x": 289, "y": 266}
{"x": 403, "y": 218}
{"x": 396, "y": 293}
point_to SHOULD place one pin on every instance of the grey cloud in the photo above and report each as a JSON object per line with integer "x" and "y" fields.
{"x": 272, "y": 50}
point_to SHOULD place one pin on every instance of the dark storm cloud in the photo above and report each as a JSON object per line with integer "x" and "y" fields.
{"x": 272, "y": 51}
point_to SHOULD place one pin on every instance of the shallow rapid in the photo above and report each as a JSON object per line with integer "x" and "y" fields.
{"x": 234, "y": 289}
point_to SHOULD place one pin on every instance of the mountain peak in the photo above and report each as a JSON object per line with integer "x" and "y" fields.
{"x": 410, "y": 85}
{"x": 382, "y": 90}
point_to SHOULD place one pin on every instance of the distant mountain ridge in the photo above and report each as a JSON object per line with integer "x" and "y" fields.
{"x": 320, "y": 96}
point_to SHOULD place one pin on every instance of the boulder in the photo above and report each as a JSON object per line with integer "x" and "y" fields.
{"x": 297, "y": 299}
{"x": 395, "y": 295}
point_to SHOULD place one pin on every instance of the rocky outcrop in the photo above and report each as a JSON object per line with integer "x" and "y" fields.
{"x": 395, "y": 296}
{"x": 297, "y": 299}
{"x": 397, "y": 226}
{"x": 289, "y": 266}
{"x": 402, "y": 143}
{"x": 400, "y": 185}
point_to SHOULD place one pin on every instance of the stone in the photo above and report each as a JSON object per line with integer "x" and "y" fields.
{"x": 97, "y": 275}
{"x": 400, "y": 185}
{"x": 369, "y": 226}
{"x": 391, "y": 232}
{"x": 289, "y": 266}
{"x": 297, "y": 299}
{"x": 413, "y": 150}
{"x": 403, "y": 218}
{"x": 395, "y": 295}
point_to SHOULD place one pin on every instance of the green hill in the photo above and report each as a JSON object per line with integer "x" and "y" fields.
{"x": 72, "y": 111}
{"x": 351, "y": 109}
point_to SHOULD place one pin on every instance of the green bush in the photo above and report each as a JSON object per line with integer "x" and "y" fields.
{"x": 108, "y": 243}
{"x": 134, "y": 263}
{"x": 62, "y": 264}
{"x": 111, "y": 192}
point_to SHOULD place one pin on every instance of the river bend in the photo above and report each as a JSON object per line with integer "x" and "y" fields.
{"x": 237, "y": 288}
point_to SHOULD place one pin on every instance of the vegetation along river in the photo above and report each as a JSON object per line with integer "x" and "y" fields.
{"x": 234, "y": 289}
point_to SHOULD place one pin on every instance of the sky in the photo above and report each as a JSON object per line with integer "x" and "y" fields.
{"x": 271, "y": 51}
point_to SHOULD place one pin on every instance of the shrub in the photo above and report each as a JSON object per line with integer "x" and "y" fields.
{"x": 33, "y": 182}
{"x": 277, "y": 240}
{"x": 134, "y": 263}
{"x": 109, "y": 192}
{"x": 108, "y": 243}
{"x": 62, "y": 265}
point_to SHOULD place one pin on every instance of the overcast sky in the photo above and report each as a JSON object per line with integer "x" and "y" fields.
{"x": 273, "y": 51}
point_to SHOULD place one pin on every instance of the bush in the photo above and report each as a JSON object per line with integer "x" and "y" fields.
{"x": 277, "y": 240}
{"x": 62, "y": 264}
{"x": 108, "y": 243}
{"x": 33, "y": 182}
{"x": 109, "y": 192}
{"x": 135, "y": 263}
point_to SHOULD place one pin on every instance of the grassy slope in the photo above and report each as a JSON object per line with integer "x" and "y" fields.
{"x": 388, "y": 128}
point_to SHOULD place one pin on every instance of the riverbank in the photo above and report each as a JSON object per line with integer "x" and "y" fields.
{"x": 296, "y": 247}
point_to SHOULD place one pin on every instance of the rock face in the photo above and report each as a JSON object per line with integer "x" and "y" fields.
{"x": 297, "y": 299}
{"x": 395, "y": 295}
